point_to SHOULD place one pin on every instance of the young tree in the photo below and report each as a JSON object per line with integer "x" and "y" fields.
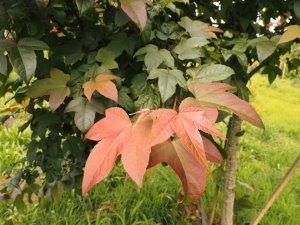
{"x": 171, "y": 65}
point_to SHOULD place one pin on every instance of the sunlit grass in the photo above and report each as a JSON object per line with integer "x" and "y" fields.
{"x": 265, "y": 156}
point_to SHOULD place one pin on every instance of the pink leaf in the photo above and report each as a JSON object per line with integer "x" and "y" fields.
{"x": 136, "y": 10}
{"x": 214, "y": 95}
{"x": 187, "y": 168}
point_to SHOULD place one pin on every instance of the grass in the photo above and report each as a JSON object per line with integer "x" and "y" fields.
{"x": 265, "y": 156}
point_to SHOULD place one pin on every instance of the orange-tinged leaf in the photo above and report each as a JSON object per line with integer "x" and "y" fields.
{"x": 136, "y": 150}
{"x": 184, "y": 164}
{"x": 214, "y": 95}
{"x": 211, "y": 151}
{"x": 102, "y": 84}
{"x": 115, "y": 121}
{"x": 136, "y": 10}
{"x": 55, "y": 86}
{"x": 99, "y": 163}
{"x": 118, "y": 135}
{"x": 185, "y": 124}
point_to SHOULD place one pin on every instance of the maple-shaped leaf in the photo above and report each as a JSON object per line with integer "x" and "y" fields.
{"x": 85, "y": 112}
{"x": 102, "y": 84}
{"x": 198, "y": 29}
{"x": 117, "y": 136}
{"x": 136, "y": 10}
{"x": 55, "y": 86}
{"x": 185, "y": 165}
{"x": 214, "y": 95}
{"x": 211, "y": 151}
{"x": 167, "y": 81}
{"x": 186, "y": 124}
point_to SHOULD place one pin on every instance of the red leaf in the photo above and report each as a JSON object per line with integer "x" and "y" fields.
{"x": 99, "y": 163}
{"x": 102, "y": 84}
{"x": 136, "y": 10}
{"x": 118, "y": 136}
{"x": 187, "y": 168}
{"x": 211, "y": 151}
{"x": 214, "y": 95}
{"x": 185, "y": 124}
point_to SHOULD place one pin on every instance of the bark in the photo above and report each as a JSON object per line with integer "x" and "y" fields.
{"x": 231, "y": 148}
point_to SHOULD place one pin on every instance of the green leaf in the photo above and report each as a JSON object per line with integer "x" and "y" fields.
{"x": 22, "y": 56}
{"x": 139, "y": 85}
{"x": 154, "y": 57}
{"x": 55, "y": 86}
{"x": 84, "y": 5}
{"x": 190, "y": 48}
{"x": 167, "y": 81}
{"x": 3, "y": 64}
{"x": 264, "y": 47}
{"x": 195, "y": 28}
{"x": 23, "y": 61}
{"x": 292, "y": 33}
{"x": 6, "y": 45}
{"x": 33, "y": 44}
{"x": 124, "y": 100}
{"x": 107, "y": 58}
{"x": 210, "y": 73}
{"x": 150, "y": 99}
{"x": 85, "y": 112}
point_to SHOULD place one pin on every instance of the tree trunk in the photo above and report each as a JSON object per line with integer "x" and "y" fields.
{"x": 231, "y": 148}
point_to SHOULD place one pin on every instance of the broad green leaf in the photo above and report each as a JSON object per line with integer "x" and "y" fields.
{"x": 22, "y": 55}
{"x": 292, "y": 32}
{"x": 3, "y": 64}
{"x": 23, "y": 61}
{"x": 55, "y": 86}
{"x": 139, "y": 85}
{"x": 122, "y": 43}
{"x": 167, "y": 81}
{"x": 190, "y": 48}
{"x": 149, "y": 99}
{"x": 136, "y": 10}
{"x": 6, "y": 45}
{"x": 264, "y": 47}
{"x": 107, "y": 58}
{"x": 154, "y": 57}
{"x": 210, "y": 73}
{"x": 84, "y": 112}
{"x": 125, "y": 100}
{"x": 84, "y": 5}
{"x": 242, "y": 58}
{"x": 147, "y": 49}
{"x": 33, "y": 44}
{"x": 197, "y": 28}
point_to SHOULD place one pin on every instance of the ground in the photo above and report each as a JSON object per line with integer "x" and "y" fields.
{"x": 265, "y": 156}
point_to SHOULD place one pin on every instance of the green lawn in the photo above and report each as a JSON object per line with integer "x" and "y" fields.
{"x": 265, "y": 156}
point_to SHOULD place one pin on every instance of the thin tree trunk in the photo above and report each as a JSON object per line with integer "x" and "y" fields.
{"x": 231, "y": 148}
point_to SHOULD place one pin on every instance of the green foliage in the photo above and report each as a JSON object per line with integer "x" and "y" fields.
{"x": 55, "y": 47}
{"x": 262, "y": 153}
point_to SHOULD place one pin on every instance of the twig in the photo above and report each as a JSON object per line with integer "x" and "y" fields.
{"x": 214, "y": 206}
{"x": 203, "y": 213}
{"x": 276, "y": 193}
